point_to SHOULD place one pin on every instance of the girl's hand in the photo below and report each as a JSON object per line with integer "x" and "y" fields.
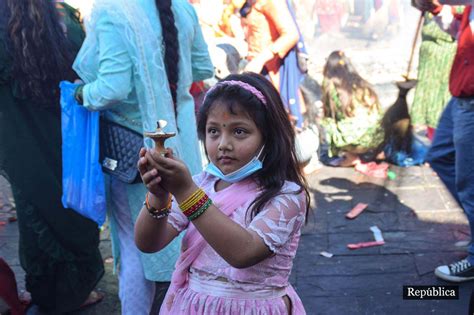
{"x": 150, "y": 177}
{"x": 174, "y": 175}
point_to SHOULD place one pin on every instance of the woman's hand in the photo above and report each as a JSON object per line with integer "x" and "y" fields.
{"x": 173, "y": 173}
{"x": 150, "y": 177}
{"x": 255, "y": 65}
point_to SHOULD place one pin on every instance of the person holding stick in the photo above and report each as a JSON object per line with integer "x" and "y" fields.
{"x": 452, "y": 150}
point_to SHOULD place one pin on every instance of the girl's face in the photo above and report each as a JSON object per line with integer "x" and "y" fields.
{"x": 232, "y": 139}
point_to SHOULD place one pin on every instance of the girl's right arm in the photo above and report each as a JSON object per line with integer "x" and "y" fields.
{"x": 151, "y": 234}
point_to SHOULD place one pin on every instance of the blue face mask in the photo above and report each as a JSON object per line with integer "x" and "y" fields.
{"x": 245, "y": 171}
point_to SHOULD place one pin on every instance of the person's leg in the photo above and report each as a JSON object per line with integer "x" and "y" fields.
{"x": 442, "y": 155}
{"x": 464, "y": 144}
{"x": 135, "y": 291}
{"x": 463, "y": 139}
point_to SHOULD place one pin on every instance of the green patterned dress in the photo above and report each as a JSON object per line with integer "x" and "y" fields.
{"x": 432, "y": 91}
{"x": 58, "y": 248}
{"x": 356, "y": 134}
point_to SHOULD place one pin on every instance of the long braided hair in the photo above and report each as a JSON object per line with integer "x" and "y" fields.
{"x": 170, "y": 36}
{"x": 42, "y": 55}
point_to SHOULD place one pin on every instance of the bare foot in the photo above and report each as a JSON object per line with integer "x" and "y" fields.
{"x": 93, "y": 298}
{"x": 25, "y": 297}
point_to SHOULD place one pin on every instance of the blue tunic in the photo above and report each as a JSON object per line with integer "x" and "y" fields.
{"x": 122, "y": 62}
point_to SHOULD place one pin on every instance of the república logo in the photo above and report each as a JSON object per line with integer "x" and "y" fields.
{"x": 431, "y": 292}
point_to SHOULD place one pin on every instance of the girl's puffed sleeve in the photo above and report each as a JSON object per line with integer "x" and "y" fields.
{"x": 176, "y": 217}
{"x": 114, "y": 80}
{"x": 283, "y": 216}
{"x": 201, "y": 63}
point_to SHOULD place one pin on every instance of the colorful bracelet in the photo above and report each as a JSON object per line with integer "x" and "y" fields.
{"x": 191, "y": 200}
{"x": 196, "y": 204}
{"x": 158, "y": 214}
{"x": 201, "y": 210}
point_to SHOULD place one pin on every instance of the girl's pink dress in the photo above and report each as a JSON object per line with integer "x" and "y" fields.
{"x": 209, "y": 285}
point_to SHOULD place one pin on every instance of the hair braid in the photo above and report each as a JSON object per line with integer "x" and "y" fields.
{"x": 170, "y": 37}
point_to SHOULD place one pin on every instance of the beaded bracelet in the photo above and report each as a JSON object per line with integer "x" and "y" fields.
{"x": 158, "y": 214}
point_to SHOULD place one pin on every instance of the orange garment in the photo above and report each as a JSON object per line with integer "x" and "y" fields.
{"x": 270, "y": 25}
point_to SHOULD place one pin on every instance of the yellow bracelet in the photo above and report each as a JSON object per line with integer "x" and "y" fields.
{"x": 191, "y": 200}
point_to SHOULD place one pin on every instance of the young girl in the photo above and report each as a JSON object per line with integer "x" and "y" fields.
{"x": 243, "y": 214}
{"x": 351, "y": 110}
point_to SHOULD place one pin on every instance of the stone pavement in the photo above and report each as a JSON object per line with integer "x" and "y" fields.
{"x": 420, "y": 223}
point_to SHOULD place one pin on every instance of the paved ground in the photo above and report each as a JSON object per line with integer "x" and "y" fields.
{"x": 421, "y": 226}
{"x": 419, "y": 221}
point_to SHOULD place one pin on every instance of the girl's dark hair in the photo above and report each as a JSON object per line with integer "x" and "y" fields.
{"x": 42, "y": 55}
{"x": 339, "y": 71}
{"x": 280, "y": 163}
{"x": 170, "y": 37}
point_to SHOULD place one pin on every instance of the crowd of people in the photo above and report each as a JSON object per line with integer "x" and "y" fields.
{"x": 213, "y": 224}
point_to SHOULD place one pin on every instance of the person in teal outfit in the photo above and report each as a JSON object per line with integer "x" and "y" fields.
{"x": 138, "y": 62}
{"x": 58, "y": 248}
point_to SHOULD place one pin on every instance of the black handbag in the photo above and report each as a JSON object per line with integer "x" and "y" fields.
{"x": 119, "y": 151}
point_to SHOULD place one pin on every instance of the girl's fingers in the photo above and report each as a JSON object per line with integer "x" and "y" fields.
{"x": 162, "y": 164}
{"x": 149, "y": 176}
{"x": 153, "y": 184}
{"x": 142, "y": 165}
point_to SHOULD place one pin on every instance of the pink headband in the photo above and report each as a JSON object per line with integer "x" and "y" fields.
{"x": 243, "y": 85}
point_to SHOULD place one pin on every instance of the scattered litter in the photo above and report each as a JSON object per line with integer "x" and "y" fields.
{"x": 3, "y": 223}
{"x": 377, "y": 233}
{"x": 377, "y": 236}
{"x": 365, "y": 244}
{"x": 373, "y": 169}
{"x": 356, "y": 210}
{"x": 12, "y": 219}
{"x": 326, "y": 254}
{"x": 462, "y": 243}
{"x": 391, "y": 175}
